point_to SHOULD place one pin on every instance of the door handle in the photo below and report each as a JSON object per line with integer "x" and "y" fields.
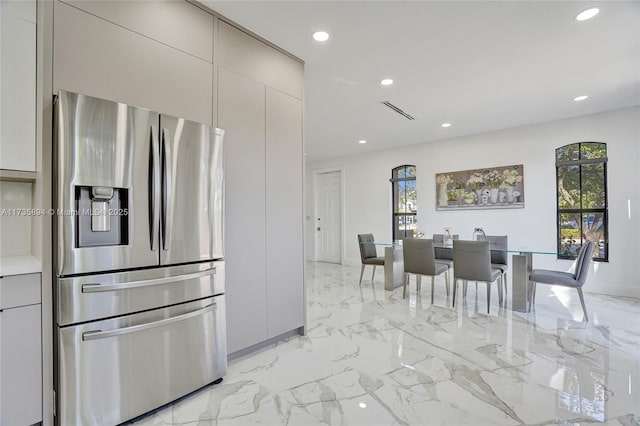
{"x": 99, "y": 334}
{"x": 154, "y": 184}
{"x": 167, "y": 190}
{"x": 98, "y": 288}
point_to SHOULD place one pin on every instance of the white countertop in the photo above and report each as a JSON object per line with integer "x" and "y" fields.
{"x": 16, "y": 265}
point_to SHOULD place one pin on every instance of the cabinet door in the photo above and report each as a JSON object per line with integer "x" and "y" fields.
{"x": 18, "y": 85}
{"x": 243, "y": 54}
{"x": 285, "y": 290}
{"x": 128, "y": 67}
{"x": 20, "y": 366}
{"x": 241, "y": 114}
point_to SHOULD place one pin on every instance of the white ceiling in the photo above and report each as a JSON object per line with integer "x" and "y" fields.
{"x": 481, "y": 65}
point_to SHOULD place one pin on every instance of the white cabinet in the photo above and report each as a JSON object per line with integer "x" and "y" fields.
{"x": 18, "y": 85}
{"x": 128, "y": 67}
{"x": 241, "y": 111}
{"x": 285, "y": 262}
{"x": 20, "y": 350}
{"x": 260, "y": 108}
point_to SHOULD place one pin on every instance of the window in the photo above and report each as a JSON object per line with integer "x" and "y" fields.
{"x": 581, "y": 180}
{"x": 403, "y": 186}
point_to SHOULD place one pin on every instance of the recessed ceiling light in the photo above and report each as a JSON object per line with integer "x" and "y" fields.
{"x": 580, "y": 98}
{"x": 321, "y": 36}
{"x": 362, "y": 141}
{"x": 587, "y": 14}
{"x": 386, "y": 82}
{"x": 362, "y": 405}
{"x": 446, "y": 125}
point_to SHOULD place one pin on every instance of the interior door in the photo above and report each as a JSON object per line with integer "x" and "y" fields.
{"x": 192, "y": 191}
{"x": 328, "y": 220}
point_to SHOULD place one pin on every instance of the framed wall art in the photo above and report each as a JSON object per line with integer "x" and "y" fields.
{"x": 489, "y": 188}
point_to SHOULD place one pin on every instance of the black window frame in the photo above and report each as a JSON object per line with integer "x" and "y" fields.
{"x": 395, "y": 215}
{"x": 604, "y": 210}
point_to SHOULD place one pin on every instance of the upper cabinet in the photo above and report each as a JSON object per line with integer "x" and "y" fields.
{"x": 145, "y": 66}
{"x": 175, "y": 23}
{"x": 241, "y": 53}
{"x": 18, "y": 85}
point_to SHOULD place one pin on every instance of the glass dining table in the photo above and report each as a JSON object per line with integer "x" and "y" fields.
{"x": 521, "y": 266}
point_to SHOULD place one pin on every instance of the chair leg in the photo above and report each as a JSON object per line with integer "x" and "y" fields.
{"x": 432, "y": 280}
{"x": 584, "y": 308}
{"x": 446, "y": 280}
{"x": 465, "y": 284}
{"x": 504, "y": 283}
{"x": 488, "y": 297}
{"x": 361, "y": 272}
{"x": 374, "y": 273}
{"x": 500, "y": 298}
{"x": 404, "y": 286}
{"x": 531, "y": 292}
{"x": 455, "y": 286}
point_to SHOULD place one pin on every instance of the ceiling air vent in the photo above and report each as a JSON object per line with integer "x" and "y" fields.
{"x": 398, "y": 110}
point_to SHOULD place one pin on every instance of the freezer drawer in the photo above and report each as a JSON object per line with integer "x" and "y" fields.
{"x": 114, "y": 370}
{"x": 94, "y": 297}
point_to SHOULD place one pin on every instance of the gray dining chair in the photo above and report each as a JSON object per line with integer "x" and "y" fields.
{"x": 500, "y": 258}
{"x": 368, "y": 254}
{"x": 419, "y": 259}
{"x": 442, "y": 254}
{"x": 472, "y": 262}
{"x": 567, "y": 279}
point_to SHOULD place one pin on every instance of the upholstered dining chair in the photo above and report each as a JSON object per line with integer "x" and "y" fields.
{"x": 419, "y": 259}
{"x": 567, "y": 279}
{"x": 499, "y": 245}
{"x": 368, "y": 254}
{"x": 472, "y": 262}
{"x": 443, "y": 255}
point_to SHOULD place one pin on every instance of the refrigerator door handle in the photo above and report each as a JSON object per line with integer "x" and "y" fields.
{"x": 99, "y": 334}
{"x": 99, "y": 288}
{"x": 166, "y": 190}
{"x": 154, "y": 190}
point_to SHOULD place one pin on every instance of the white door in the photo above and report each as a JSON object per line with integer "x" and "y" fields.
{"x": 328, "y": 219}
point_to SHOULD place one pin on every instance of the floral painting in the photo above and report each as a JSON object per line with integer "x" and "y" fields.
{"x": 491, "y": 188}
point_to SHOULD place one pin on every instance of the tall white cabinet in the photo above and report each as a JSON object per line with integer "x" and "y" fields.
{"x": 260, "y": 108}
{"x": 20, "y": 284}
{"x": 284, "y": 214}
{"x": 18, "y": 85}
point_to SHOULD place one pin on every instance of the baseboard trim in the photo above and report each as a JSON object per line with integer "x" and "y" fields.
{"x": 265, "y": 344}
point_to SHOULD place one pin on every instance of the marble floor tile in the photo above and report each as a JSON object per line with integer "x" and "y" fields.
{"x": 371, "y": 357}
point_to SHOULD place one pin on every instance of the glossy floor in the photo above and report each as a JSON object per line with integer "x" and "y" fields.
{"x": 373, "y": 358}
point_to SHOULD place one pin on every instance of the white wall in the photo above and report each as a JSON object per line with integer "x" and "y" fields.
{"x": 367, "y": 197}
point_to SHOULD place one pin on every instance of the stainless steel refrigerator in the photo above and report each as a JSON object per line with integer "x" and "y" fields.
{"x": 138, "y": 252}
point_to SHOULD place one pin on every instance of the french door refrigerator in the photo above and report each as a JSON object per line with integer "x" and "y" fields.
{"x": 138, "y": 251}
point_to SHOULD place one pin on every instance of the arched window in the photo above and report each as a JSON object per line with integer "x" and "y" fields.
{"x": 403, "y": 186}
{"x": 581, "y": 180}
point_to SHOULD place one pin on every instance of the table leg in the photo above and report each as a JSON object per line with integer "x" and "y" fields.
{"x": 393, "y": 268}
{"x": 520, "y": 293}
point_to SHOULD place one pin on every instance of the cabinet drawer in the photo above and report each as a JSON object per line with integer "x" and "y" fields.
{"x": 19, "y": 290}
{"x": 20, "y": 366}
